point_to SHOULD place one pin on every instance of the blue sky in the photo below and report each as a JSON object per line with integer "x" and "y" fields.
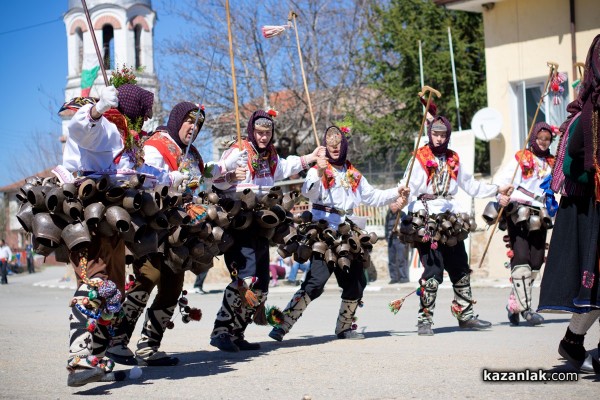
{"x": 33, "y": 70}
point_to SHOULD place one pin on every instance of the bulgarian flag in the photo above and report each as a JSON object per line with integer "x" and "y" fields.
{"x": 89, "y": 73}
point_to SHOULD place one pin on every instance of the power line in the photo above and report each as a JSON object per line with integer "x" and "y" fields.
{"x": 30, "y": 26}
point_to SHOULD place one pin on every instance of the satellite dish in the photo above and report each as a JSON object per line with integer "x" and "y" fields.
{"x": 486, "y": 124}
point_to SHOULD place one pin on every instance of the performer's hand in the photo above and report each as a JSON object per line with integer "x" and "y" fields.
{"x": 177, "y": 178}
{"x": 401, "y": 202}
{"x": 312, "y": 157}
{"x": 506, "y": 190}
{"x": 236, "y": 159}
{"x": 322, "y": 163}
{"x": 404, "y": 191}
{"x": 240, "y": 173}
{"x": 504, "y": 200}
{"x": 108, "y": 100}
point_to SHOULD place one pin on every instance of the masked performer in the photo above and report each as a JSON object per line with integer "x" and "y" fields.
{"x": 436, "y": 177}
{"x": 164, "y": 151}
{"x": 101, "y": 141}
{"x": 248, "y": 258}
{"x": 570, "y": 282}
{"x": 528, "y": 220}
{"x": 335, "y": 187}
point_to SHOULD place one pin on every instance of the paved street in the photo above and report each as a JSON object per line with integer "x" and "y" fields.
{"x": 392, "y": 363}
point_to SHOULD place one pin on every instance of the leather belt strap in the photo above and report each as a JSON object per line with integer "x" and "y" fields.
{"x": 331, "y": 210}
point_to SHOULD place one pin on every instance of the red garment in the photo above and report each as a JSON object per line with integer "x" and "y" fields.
{"x": 171, "y": 152}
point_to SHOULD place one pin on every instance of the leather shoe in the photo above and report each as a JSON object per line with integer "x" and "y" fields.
{"x": 424, "y": 329}
{"x": 474, "y": 323}
{"x": 277, "y": 334}
{"x": 114, "y": 376}
{"x": 350, "y": 334}
{"x": 124, "y": 355}
{"x": 223, "y": 342}
{"x": 513, "y": 318}
{"x": 576, "y": 355}
{"x": 159, "y": 362}
{"x": 532, "y": 318}
{"x": 83, "y": 376}
{"x": 393, "y": 281}
{"x": 243, "y": 344}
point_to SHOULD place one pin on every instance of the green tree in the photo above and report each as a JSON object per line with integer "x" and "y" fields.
{"x": 391, "y": 52}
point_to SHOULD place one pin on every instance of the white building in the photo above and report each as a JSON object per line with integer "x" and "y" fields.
{"x": 124, "y": 31}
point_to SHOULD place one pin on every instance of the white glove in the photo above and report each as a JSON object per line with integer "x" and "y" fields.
{"x": 108, "y": 99}
{"x": 236, "y": 159}
{"x": 177, "y": 178}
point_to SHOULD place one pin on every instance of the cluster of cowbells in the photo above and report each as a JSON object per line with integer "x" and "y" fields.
{"x": 65, "y": 217}
{"x": 337, "y": 247}
{"x": 446, "y": 228}
{"x": 521, "y": 215}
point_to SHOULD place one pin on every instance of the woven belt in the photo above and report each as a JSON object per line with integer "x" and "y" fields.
{"x": 541, "y": 199}
{"x": 428, "y": 197}
{"x": 331, "y": 210}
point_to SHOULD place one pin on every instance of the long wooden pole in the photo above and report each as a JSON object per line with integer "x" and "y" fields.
{"x": 553, "y": 67}
{"x": 421, "y": 93}
{"x": 91, "y": 28}
{"x": 293, "y": 16}
{"x": 235, "y": 96}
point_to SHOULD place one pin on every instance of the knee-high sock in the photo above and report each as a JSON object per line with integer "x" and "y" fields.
{"x": 522, "y": 285}
{"x": 229, "y": 311}
{"x": 581, "y": 323}
{"x": 462, "y": 305}
{"x": 153, "y": 331}
{"x": 84, "y": 343}
{"x": 427, "y": 301}
{"x": 133, "y": 306}
{"x": 293, "y": 311}
{"x": 246, "y": 315}
{"x": 346, "y": 316}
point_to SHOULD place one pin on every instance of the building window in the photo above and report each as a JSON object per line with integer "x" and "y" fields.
{"x": 108, "y": 46}
{"x": 137, "y": 35}
{"x": 528, "y": 96}
{"x": 79, "y": 49}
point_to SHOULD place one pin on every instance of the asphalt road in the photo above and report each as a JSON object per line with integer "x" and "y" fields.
{"x": 392, "y": 363}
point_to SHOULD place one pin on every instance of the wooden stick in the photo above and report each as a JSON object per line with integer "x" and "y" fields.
{"x": 293, "y": 17}
{"x": 91, "y": 28}
{"x": 421, "y": 94}
{"x": 235, "y": 97}
{"x": 553, "y": 67}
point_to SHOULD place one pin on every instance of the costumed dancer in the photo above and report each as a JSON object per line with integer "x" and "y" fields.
{"x": 528, "y": 220}
{"x": 335, "y": 187}
{"x": 437, "y": 175}
{"x": 165, "y": 151}
{"x": 570, "y": 281}
{"x": 100, "y": 142}
{"x": 248, "y": 258}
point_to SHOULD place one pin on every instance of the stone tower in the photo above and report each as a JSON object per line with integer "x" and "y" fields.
{"x": 124, "y": 31}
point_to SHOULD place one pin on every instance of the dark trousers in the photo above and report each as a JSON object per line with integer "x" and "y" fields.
{"x": 199, "y": 283}
{"x": 30, "y": 267}
{"x": 4, "y": 272}
{"x": 397, "y": 262}
{"x": 353, "y": 282}
{"x": 249, "y": 255}
{"x": 452, "y": 259}
{"x": 153, "y": 272}
{"x": 528, "y": 247}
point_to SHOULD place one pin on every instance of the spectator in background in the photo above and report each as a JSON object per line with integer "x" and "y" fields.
{"x": 5, "y": 256}
{"x": 199, "y": 283}
{"x": 278, "y": 268}
{"x": 29, "y": 255}
{"x": 397, "y": 251}
{"x": 296, "y": 266}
